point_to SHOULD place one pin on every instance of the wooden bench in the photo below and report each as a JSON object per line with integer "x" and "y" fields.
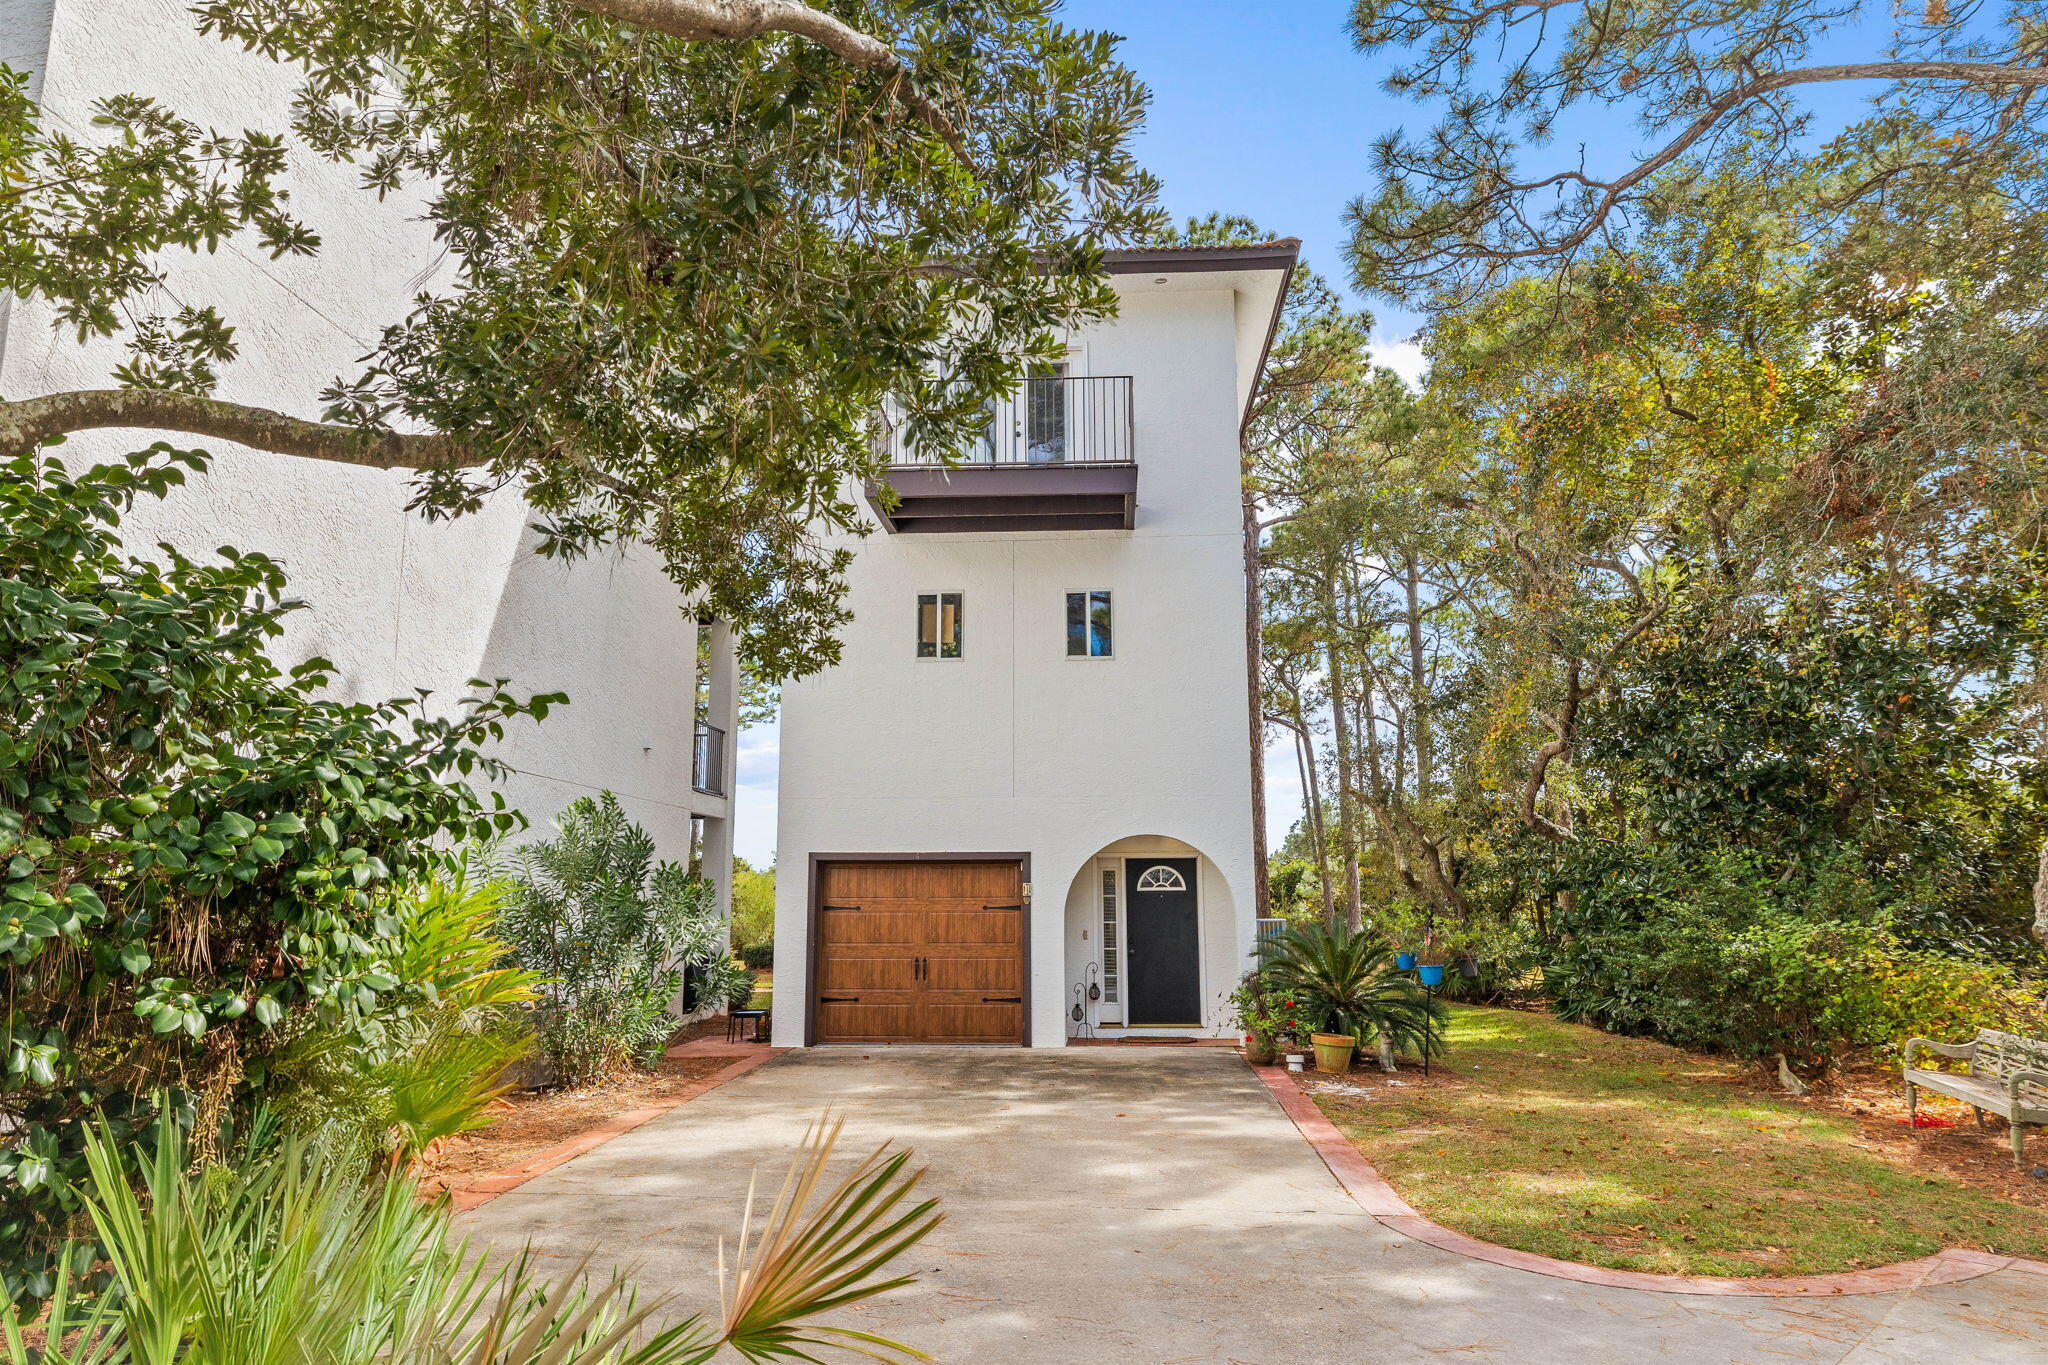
{"x": 2008, "y": 1077}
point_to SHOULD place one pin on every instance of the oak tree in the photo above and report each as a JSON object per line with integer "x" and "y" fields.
{"x": 696, "y": 243}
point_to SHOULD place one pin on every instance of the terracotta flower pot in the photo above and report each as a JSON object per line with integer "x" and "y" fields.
{"x": 1333, "y": 1051}
{"x": 1260, "y": 1051}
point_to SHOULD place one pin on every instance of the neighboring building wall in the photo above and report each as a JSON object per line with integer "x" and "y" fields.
{"x": 1017, "y": 747}
{"x": 395, "y": 601}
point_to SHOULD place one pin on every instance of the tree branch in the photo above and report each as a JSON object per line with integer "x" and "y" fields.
{"x": 732, "y": 21}
{"x": 28, "y": 422}
{"x": 1717, "y": 109}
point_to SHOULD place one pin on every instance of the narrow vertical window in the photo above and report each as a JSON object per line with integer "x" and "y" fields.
{"x": 1111, "y": 948}
{"x": 1088, "y": 633}
{"x": 939, "y": 625}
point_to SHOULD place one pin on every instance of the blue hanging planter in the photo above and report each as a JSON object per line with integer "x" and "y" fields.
{"x": 1431, "y": 976}
{"x": 1404, "y": 962}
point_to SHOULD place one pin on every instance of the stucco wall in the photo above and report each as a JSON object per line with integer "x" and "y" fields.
{"x": 1015, "y": 746}
{"x": 395, "y": 601}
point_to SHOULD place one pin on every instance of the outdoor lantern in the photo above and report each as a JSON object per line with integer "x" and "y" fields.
{"x": 1404, "y": 962}
{"x": 1431, "y": 976}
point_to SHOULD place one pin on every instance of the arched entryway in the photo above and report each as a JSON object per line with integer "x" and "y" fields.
{"x": 1150, "y": 938}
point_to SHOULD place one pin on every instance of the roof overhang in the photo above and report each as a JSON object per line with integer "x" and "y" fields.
{"x": 1259, "y": 276}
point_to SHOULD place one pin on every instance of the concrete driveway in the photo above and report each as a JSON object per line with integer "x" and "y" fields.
{"x": 1112, "y": 1206}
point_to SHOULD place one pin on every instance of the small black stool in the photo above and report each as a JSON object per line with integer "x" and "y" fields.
{"x": 732, "y": 1024}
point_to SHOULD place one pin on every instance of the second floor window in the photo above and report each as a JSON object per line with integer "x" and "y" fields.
{"x": 1088, "y": 635}
{"x": 938, "y": 625}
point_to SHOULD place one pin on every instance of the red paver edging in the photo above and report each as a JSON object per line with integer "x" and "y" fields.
{"x": 1364, "y": 1184}
{"x": 491, "y": 1186}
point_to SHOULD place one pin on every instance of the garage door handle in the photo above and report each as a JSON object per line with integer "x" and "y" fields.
{"x": 839, "y": 1000}
{"x": 1002, "y": 1000}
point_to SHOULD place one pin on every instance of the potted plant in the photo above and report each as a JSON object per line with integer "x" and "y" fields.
{"x": 1346, "y": 987}
{"x": 1263, "y": 1019}
{"x": 1430, "y": 971}
{"x": 1333, "y": 1051}
{"x": 1404, "y": 962}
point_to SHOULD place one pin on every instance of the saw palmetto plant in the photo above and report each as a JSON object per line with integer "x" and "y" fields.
{"x": 278, "y": 1258}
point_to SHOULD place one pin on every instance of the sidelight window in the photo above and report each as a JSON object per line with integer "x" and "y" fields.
{"x": 938, "y": 625}
{"x": 1112, "y": 947}
{"x": 1088, "y": 633}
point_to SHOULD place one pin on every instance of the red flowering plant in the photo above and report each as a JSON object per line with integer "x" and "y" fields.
{"x": 1268, "y": 1015}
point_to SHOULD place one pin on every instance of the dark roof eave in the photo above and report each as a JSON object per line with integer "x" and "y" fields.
{"x": 1169, "y": 260}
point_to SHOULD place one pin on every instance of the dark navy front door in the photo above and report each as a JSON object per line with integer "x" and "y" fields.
{"x": 1164, "y": 944}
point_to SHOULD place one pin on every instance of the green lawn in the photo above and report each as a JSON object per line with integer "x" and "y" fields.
{"x": 1618, "y": 1152}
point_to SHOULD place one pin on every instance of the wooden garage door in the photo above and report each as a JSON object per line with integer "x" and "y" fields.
{"x": 920, "y": 953}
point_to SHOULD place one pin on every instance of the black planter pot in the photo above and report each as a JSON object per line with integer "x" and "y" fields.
{"x": 1468, "y": 967}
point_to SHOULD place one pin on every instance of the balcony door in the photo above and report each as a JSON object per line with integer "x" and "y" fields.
{"x": 1030, "y": 427}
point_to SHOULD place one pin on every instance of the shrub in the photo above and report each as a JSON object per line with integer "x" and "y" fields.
{"x": 1710, "y": 954}
{"x": 753, "y": 903}
{"x": 760, "y": 956}
{"x": 609, "y": 931}
{"x": 199, "y": 851}
{"x": 726, "y": 984}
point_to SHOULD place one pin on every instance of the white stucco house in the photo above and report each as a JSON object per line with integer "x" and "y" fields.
{"x": 395, "y": 601}
{"x": 1025, "y": 791}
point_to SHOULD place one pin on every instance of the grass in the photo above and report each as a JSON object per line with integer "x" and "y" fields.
{"x": 1570, "y": 1142}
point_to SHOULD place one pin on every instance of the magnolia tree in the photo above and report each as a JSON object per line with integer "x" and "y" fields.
{"x": 697, "y": 243}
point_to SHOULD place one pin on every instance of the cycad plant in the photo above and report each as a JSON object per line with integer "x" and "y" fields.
{"x": 282, "y": 1258}
{"x": 1346, "y": 982}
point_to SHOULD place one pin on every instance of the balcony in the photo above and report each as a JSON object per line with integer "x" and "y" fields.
{"x": 707, "y": 761}
{"x": 1057, "y": 457}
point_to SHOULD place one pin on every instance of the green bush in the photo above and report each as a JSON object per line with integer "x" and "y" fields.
{"x": 199, "y": 851}
{"x": 753, "y": 903}
{"x": 726, "y": 984}
{"x": 1711, "y": 954}
{"x": 609, "y": 931}
{"x": 760, "y": 956}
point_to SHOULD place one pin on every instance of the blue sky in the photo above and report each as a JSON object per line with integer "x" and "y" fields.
{"x": 1264, "y": 110}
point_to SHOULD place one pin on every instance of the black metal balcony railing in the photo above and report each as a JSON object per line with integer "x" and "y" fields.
{"x": 707, "y": 761}
{"x": 1051, "y": 421}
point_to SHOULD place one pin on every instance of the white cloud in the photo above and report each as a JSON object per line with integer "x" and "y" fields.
{"x": 1404, "y": 358}
{"x": 753, "y": 804}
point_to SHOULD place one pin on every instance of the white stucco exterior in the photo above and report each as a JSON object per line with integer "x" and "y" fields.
{"x": 395, "y": 601}
{"x": 1017, "y": 747}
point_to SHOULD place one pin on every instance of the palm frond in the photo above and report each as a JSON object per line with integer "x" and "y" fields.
{"x": 815, "y": 1254}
